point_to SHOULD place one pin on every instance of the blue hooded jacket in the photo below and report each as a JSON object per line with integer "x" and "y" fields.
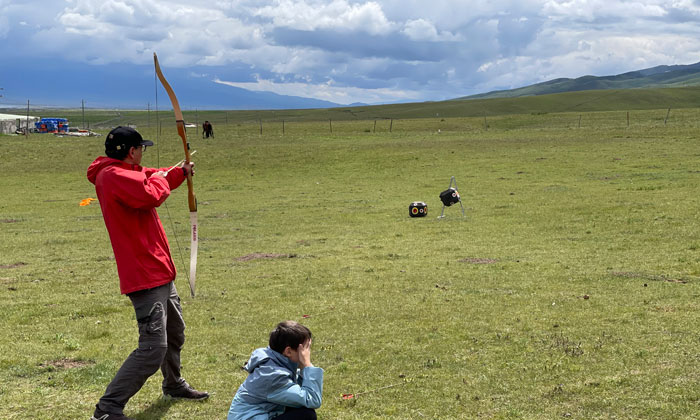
{"x": 274, "y": 383}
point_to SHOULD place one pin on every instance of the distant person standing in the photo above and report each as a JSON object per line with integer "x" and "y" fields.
{"x": 207, "y": 130}
{"x": 129, "y": 195}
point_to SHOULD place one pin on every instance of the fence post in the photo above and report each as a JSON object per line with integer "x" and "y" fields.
{"x": 260, "y": 120}
{"x": 282, "y": 127}
{"x": 667, "y": 113}
{"x": 330, "y": 124}
{"x": 391, "y": 124}
{"x": 375, "y": 126}
{"x": 579, "y": 120}
{"x": 628, "y": 119}
{"x": 26, "y": 133}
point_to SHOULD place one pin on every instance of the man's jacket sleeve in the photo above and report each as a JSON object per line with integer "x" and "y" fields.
{"x": 306, "y": 394}
{"x": 140, "y": 190}
{"x": 175, "y": 177}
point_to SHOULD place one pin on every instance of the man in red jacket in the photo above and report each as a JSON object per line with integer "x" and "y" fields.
{"x": 129, "y": 194}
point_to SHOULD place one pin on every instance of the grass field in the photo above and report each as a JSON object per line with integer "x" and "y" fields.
{"x": 646, "y": 106}
{"x": 569, "y": 290}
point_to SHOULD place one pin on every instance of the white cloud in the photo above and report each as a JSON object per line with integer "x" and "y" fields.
{"x": 423, "y": 30}
{"x": 326, "y": 91}
{"x": 604, "y": 55}
{"x": 396, "y": 49}
{"x": 603, "y": 11}
{"x": 184, "y": 33}
{"x": 4, "y": 26}
{"x": 309, "y": 15}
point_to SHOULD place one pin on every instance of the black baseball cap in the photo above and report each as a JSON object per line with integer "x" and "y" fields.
{"x": 121, "y": 139}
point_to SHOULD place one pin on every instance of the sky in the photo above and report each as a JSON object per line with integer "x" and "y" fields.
{"x": 345, "y": 51}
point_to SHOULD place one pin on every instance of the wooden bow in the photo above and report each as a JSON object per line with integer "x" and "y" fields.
{"x": 192, "y": 200}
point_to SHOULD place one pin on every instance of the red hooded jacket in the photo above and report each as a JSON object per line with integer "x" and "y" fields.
{"x": 128, "y": 196}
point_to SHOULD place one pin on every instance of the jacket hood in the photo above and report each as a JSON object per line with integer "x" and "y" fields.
{"x": 262, "y": 355}
{"x": 99, "y": 164}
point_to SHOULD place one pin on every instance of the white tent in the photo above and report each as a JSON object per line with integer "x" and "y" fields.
{"x": 9, "y": 123}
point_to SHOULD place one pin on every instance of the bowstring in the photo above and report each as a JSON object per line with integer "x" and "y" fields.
{"x": 165, "y": 203}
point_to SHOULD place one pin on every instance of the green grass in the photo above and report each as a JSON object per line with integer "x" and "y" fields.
{"x": 569, "y": 290}
{"x": 645, "y": 106}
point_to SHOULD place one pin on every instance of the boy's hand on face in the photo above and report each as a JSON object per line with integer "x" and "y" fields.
{"x": 304, "y": 352}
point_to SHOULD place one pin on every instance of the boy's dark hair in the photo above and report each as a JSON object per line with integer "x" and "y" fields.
{"x": 288, "y": 334}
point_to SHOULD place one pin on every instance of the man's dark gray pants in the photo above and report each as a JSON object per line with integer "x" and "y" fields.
{"x": 161, "y": 337}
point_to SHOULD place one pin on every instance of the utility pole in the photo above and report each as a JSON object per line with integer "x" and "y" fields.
{"x": 83, "y": 102}
{"x": 26, "y": 133}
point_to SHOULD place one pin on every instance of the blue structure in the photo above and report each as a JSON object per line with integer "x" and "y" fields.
{"x": 52, "y": 125}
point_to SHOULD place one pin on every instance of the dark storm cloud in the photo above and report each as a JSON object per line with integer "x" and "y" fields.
{"x": 515, "y": 33}
{"x": 360, "y": 45}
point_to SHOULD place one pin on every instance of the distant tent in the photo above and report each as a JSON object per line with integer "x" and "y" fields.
{"x": 52, "y": 125}
{"x": 10, "y": 123}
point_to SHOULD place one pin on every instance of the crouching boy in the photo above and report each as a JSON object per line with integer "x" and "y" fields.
{"x": 282, "y": 384}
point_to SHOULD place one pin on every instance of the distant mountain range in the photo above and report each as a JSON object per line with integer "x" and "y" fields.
{"x": 56, "y": 83}
{"x": 64, "y": 84}
{"x": 654, "y": 77}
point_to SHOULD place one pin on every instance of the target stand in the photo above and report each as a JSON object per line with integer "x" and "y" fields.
{"x": 449, "y": 197}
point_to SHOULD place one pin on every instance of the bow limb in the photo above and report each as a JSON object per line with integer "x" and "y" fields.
{"x": 192, "y": 200}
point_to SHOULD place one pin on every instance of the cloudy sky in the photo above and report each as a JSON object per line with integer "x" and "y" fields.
{"x": 348, "y": 51}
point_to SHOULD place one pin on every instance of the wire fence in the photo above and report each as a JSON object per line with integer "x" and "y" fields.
{"x": 243, "y": 123}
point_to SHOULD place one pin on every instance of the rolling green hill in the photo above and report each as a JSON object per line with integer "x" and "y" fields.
{"x": 655, "y": 77}
{"x": 582, "y": 101}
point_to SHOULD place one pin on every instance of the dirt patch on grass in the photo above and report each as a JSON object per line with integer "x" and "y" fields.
{"x": 9, "y": 220}
{"x": 478, "y": 260}
{"x": 67, "y": 363}
{"x": 635, "y": 275}
{"x": 15, "y": 265}
{"x": 263, "y": 256}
